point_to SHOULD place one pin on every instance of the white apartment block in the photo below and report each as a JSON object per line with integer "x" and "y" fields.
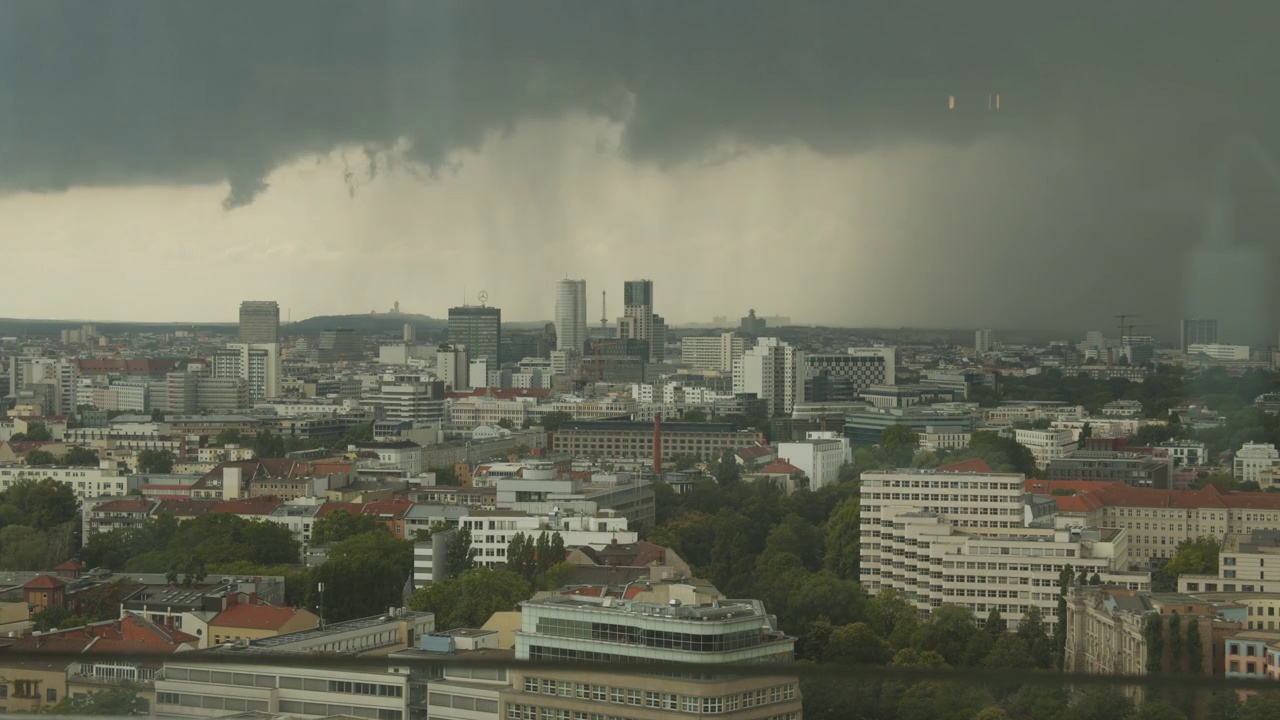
{"x": 984, "y": 341}
{"x": 926, "y": 560}
{"x": 1216, "y": 351}
{"x": 716, "y": 352}
{"x": 57, "y": 376}
{"x": 1252, "y": 458}
{"x": 492, "y": 530}
{"x": 774, "y": 371}
{"x": 581, "y": 409}
{"x": 1123, "y": 408}
{"x": 820, "y": 456}
{"x": 454, "y": 368}
{"x": 86, "y": 482}
{"x": 470, "y": 412}
{"x": 114, "y": 395}
{"x": 1046, "y": 445}
{"x": 258, "y": 364}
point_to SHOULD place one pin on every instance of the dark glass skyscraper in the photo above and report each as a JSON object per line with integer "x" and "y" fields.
{"x": 480, "y": 329}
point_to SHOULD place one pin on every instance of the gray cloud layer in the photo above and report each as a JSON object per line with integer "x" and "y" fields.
{"x": 1126, "y": 102}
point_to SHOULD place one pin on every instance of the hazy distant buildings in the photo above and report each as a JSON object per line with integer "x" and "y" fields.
{"x": 1199, "y": 332}
{"x": 1216, "y": 351}
{"x": 984, "y": 341}
{"x": 258, "y": 364}
{"x": 753, "y": 325}
{"x": 340, "y": 345}
{"x": 479, "y": 328}
{"x": 571, "y": 315}
{"x": 639, "y": 321}
{"x": 1139, "y": 349}
{"x": 259, "y": 321}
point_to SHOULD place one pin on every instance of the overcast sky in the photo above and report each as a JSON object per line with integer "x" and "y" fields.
{"x": 163, "y": 161}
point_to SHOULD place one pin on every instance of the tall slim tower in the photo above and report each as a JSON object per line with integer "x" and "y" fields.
{"x": 259, "y": 321}
{"x": 571, "y": 315}
{"x": 984, "y": 341}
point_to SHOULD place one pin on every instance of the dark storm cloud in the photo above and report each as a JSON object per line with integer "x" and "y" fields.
{"x": 128, "y": 91}
{"x": 1132, "y": 100}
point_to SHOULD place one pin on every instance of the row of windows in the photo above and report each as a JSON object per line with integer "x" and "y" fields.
{"x": 463, "y": 702}
{"x": 212, "y": 702}
{"x": 221, "y": 677}
{"x": 661, "y": 701}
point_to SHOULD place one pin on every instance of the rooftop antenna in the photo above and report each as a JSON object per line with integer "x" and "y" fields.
{"x": 604, "y": 309}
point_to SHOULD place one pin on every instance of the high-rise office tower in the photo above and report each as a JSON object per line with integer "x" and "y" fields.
{"x": 259, "y": 321}
{"x": 639, "y": 322}
{"x": 984, "y": 341}
{"x": 479, "y": 328}
{"x": 571, "y": 315}
{"x": 1199, "y": 332}
{"x": 774, "y": 372}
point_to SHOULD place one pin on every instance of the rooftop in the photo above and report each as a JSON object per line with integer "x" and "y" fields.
{"x": 255, "y": 615}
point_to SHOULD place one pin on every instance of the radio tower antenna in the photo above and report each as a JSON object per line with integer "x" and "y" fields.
{"x": 604, "y": 309}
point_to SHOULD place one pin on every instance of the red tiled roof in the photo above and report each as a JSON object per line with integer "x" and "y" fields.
{"x": 258, "y": 616}
{"x": 248, "y": 506}
{"x": 779, "y": 467}
{"x": 131, "y": 634}
{"x": 975, "y": 465}
{"x": 134, "y": 505}
{"x": 185, "y": 507}
{"x": 22, "y": 447}
{"x": 753, "y": 451}
{"x": 68, "y": 565}
{"x": 1077, "y": 503}
{"x": 1115, "y": 494}
{"x": 43, "y": 582}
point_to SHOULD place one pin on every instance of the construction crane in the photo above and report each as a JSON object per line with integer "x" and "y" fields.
{"x": 1123, "y": 326}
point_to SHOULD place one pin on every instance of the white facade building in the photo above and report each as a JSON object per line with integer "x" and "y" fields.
{"x": 258, "y": 364}
{"x": 1252, "y": 458}
{"x": 86, "y": 482}
{"x": 984, "y": 341}
{"x": 715, "y": 352}
{"x": 1046, "y": 445}
{"x": 454, "y": 368}
{"x": 774, "y": 371}
{"x": 943, "y": 537}
{"x": 571, "y": 315}
{"x": 820, "y": 456}
{"x": 492, "y": 530}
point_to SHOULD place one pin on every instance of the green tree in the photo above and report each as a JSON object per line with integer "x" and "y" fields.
{"x": 995, "y": 624}
{"x": 841, "y": 539}
{"x": 42, "y": 504}
{"x": 230, "y": 436}
{"x": 732, "y": 559}
{"x": 1224, "y": 705}
{"x": 1262, "y": 706}
{"x": 364, "y": 575}
{"x": 856, "y": 644}
{"x": 36, "y": 458}
{"x": 694, "y": 416}
{"x": 1195, "y": 647}
{"x": 553, "y": 421}
{"x": 796, "y": 536}
{"x": 892, "y": 618}
{"x": 684, "y": 461}
{"x": 155, "y": 462}
{"x": 1009, "y": 653}
{"x": 558, "y": 575}
{"x": 267, "y": 444}
{"x": 1031, "y": 630}
{"x": 899, "y": 443}
{"x": 55, "y": 616}
{"x": 1037, "y": 701}
{"x": 446, "y": 475}
{"x": 1175, "y": 642}
{"x": 1153, "y": 631}
{"x": 81, "y": 457}
{"x": 468, "y": 601}
{"x": 119, "y": 700}
{"x": 340, "y": 525}
{"x": 1101, "y": 703}
{"x": 460, "y": 557}
{"x": 948, "y": 632}
{"x": 726, "y": 470}
{"x": 38, "y": 432}
{"x": 1196, "y": 557}
{"x": 1158, "y": 710}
